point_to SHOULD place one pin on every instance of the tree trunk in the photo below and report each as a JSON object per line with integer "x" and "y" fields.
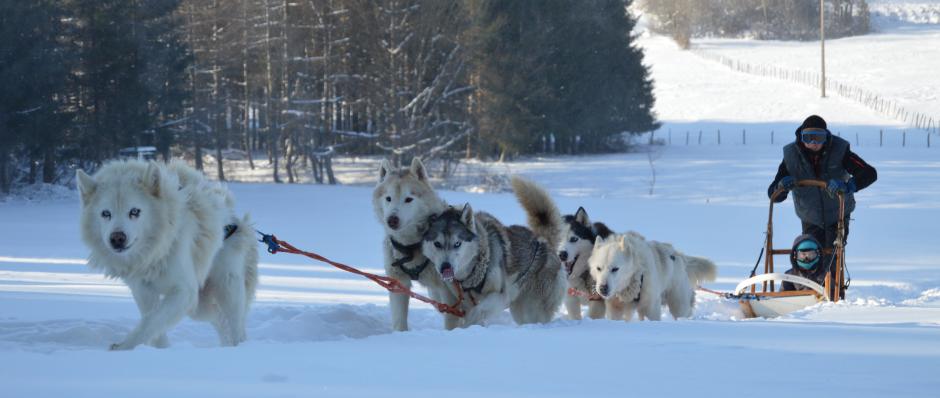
{"x": 32, "y": 169}
{"x": 329, "y": 169}
{"x": 4, "y": 171}
{"x": 198, "y": 155}
{"x": 273, "y": 127}
{"x": 218, "y": 157}
{"x": 246, "y": 125}
{"x": 315, "y": 167}
{"x": 48, "y": 163}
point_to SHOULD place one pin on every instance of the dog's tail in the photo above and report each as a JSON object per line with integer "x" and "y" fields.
{"x": 700, "y": 269}
{"x": 543, "y": 216}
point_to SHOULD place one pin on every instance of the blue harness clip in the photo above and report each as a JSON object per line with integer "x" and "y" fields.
{"x": 269, "y": 240}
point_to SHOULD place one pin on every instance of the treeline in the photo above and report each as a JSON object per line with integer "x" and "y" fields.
{"x": 760, "y": 19}
{"x": 298, "y": 82}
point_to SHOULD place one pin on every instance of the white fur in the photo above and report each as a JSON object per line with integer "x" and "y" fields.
{"x": 175, "y": 261}
{"x": 621, "y": 262}
{"x": 391, "y": 198}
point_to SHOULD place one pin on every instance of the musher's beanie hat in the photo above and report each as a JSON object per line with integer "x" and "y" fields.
{"x": 813, "y": 121}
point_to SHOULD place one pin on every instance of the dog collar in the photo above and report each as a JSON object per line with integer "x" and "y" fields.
{"x": 409, "y": 251}
{"x": 405, "y": 249}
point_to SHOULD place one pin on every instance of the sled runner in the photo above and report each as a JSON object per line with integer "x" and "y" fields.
{"x": 758, "y": 296}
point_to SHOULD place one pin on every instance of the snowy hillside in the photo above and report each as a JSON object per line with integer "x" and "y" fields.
{"x": 315, "y": 331}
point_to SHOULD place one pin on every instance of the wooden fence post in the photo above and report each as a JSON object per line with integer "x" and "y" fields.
{"x": 700, "y": 137}
{"x": 719, "y": 137}
{"x": 881, "y": 138}
{"x": 743, "y": 137}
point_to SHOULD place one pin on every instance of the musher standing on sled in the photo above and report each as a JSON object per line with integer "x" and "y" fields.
{"x": 818, "y": 155}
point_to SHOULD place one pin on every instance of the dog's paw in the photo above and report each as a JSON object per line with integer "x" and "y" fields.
{"x": 473, "y": 317}
{"x": 120, "y": 347}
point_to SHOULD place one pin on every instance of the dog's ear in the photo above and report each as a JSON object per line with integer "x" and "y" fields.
{"x": 417, "y": 168}
{"x": 466, "y": 216}
{"x": 599, "y": 240}
{"x": 384, "y": 170}
{"x": 86, "y": 185}
{"x": 623, "y": 243}
{"x": 581, "y": 216}
{"x": 153, "y": 179}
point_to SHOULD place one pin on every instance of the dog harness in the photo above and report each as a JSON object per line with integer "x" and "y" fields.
{"x": 409, "y": 252}
{"x": 639, "y": 290}
{"x": 230, "y": 230}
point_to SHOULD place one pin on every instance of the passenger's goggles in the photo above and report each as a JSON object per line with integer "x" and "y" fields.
{"x": 807, "y": 258}
{"x": 813, "y": 136}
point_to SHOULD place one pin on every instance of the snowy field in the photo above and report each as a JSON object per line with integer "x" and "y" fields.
{"x": 898, "y": 62}
{"x": 315, "y": 331}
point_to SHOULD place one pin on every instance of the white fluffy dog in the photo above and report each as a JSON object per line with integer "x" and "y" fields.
{"x": 635, "y": 274}
{"x": 172, "y": 237}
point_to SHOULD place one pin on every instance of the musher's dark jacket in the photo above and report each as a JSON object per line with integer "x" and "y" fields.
{"x": 834, "y": 161}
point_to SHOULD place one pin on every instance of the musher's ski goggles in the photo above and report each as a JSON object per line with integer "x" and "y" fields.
{"x": 813, "y": 136}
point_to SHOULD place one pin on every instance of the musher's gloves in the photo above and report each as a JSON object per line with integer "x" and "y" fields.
{"x": 787, "y": 183}
{"x": 840, "y": 186}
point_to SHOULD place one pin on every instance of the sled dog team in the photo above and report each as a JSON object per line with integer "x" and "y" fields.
{"x": 173, "y": 237}
{"x": 529, "y": 270}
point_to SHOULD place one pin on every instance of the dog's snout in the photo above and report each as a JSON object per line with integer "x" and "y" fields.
{"x": 603, "y": 290}
{"x": 393, "y": 222}
{"x": 118, "y": 240}
{"x": 563, "y": 255}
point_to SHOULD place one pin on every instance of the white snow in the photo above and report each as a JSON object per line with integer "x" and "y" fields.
{"x": 317, "y": 331}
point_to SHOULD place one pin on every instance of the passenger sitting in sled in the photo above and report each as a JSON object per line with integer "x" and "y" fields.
{"x": 807, "y": 260}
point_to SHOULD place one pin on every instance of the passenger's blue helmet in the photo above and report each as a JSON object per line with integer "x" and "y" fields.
{"x": 807, "y": 254}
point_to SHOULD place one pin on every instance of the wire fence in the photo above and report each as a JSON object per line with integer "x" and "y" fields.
{"x": 905, "y": 138}
{"x": 869, "y": 99}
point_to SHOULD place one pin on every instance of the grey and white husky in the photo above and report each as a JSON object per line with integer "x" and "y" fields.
{"x": 500, "y": 267}
{"x": 403, "y": 200}
{"x": 578, "y": 237}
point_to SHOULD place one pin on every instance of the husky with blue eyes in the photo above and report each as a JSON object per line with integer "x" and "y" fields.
{"x": 499, "y": 267}
{"x": 173, "y": 238}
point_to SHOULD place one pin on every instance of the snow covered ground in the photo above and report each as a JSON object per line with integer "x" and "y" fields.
{"x": 899, "y": 62}
{"x": 315, "y": 331}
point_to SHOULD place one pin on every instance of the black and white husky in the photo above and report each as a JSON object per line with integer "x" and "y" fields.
{"x": 578, "y": 237}
{"x": 500, "y": 267}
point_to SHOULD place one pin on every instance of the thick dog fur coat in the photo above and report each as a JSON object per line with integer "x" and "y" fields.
{"x": 162, "y": 230}
{"x": 403, "y": 200}
{"x": 635, "y": 274}
{"x": 501, "y": 267}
